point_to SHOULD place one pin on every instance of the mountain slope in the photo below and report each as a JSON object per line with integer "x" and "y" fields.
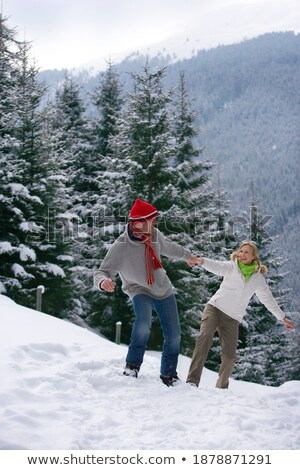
{"x": 62, "y": 388}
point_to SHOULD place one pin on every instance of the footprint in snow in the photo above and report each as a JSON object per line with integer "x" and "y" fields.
{"x": 90, "y": 365}
{"x": 41, "y": 352}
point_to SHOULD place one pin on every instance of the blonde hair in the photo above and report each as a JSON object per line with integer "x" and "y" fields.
{"x": 260, "y": 268}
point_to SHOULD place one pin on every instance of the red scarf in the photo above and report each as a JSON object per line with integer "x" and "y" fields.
{"x": 151, "y": 258}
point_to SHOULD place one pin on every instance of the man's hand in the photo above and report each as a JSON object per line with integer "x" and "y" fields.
{"x": 288, "y": 324}
{"x": 108, "y": 285}
{"x": 193, "y": 261}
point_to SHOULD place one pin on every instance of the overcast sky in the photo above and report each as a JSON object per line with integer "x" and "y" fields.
{"x": 69, "y": 33}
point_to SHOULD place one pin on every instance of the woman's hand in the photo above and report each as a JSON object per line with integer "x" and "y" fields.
{"x": 288, "y": 323}
{"x": 193, "y": 261}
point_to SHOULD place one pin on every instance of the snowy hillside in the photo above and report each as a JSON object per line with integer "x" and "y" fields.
{"x": 208, "y": 24}
{"x": 62, "y": 388}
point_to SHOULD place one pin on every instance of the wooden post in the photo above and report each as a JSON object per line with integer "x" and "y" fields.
{"x": 39, "y": 292}
{"x": 118, "y": 332}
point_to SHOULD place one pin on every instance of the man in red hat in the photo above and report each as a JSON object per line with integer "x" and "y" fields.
{"x": 135, "y": 256}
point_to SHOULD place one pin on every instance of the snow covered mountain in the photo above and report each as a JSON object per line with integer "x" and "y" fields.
{"x": 62, "y": 388}
{"x": 212, "y": 23}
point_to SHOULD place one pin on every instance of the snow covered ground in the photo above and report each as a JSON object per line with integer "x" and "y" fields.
{"x": 62, "y": 388}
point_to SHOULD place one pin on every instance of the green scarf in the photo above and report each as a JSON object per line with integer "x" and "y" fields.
{"x": 247, "y": 269}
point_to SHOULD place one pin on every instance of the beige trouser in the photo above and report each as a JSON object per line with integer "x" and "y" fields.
{"x": 214, "y": 320}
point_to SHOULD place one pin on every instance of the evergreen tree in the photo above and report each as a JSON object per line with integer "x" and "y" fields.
{"x": 192, "y": 202}
{"x": 69, "y": 127}
{"x": 17, "y": 199}
{"x": 69, "y": 149}
{"x": 11, "y": 247}
{"x": 107, "y": 98}
{"x": 27, "y": 259}
{"x": 51, "y": 267}
{"x": 104, "y": 310}
{"x": 144, "y": 145}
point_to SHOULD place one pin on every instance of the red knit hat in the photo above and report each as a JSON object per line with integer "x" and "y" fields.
{"x": 142, "y": 210}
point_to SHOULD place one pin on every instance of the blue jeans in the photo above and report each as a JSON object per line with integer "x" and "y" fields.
{"x": 167, "y": 313}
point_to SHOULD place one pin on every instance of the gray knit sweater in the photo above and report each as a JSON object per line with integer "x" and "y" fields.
{"x": 126, "y": 257}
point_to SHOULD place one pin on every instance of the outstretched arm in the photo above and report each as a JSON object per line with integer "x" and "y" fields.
{"x": 172, "y": 249}
{"x": 265, "y": 296}
{"x": 217, "y": 267}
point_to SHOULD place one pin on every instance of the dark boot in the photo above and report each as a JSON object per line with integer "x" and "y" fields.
{"x": 131, "y": 371}
{"x": 170, "y": 381}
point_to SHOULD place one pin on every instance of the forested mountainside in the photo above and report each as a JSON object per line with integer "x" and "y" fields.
{"x": 248, "y": 103}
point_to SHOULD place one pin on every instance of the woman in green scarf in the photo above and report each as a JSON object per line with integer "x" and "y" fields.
{"x": 243, "y": 276}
